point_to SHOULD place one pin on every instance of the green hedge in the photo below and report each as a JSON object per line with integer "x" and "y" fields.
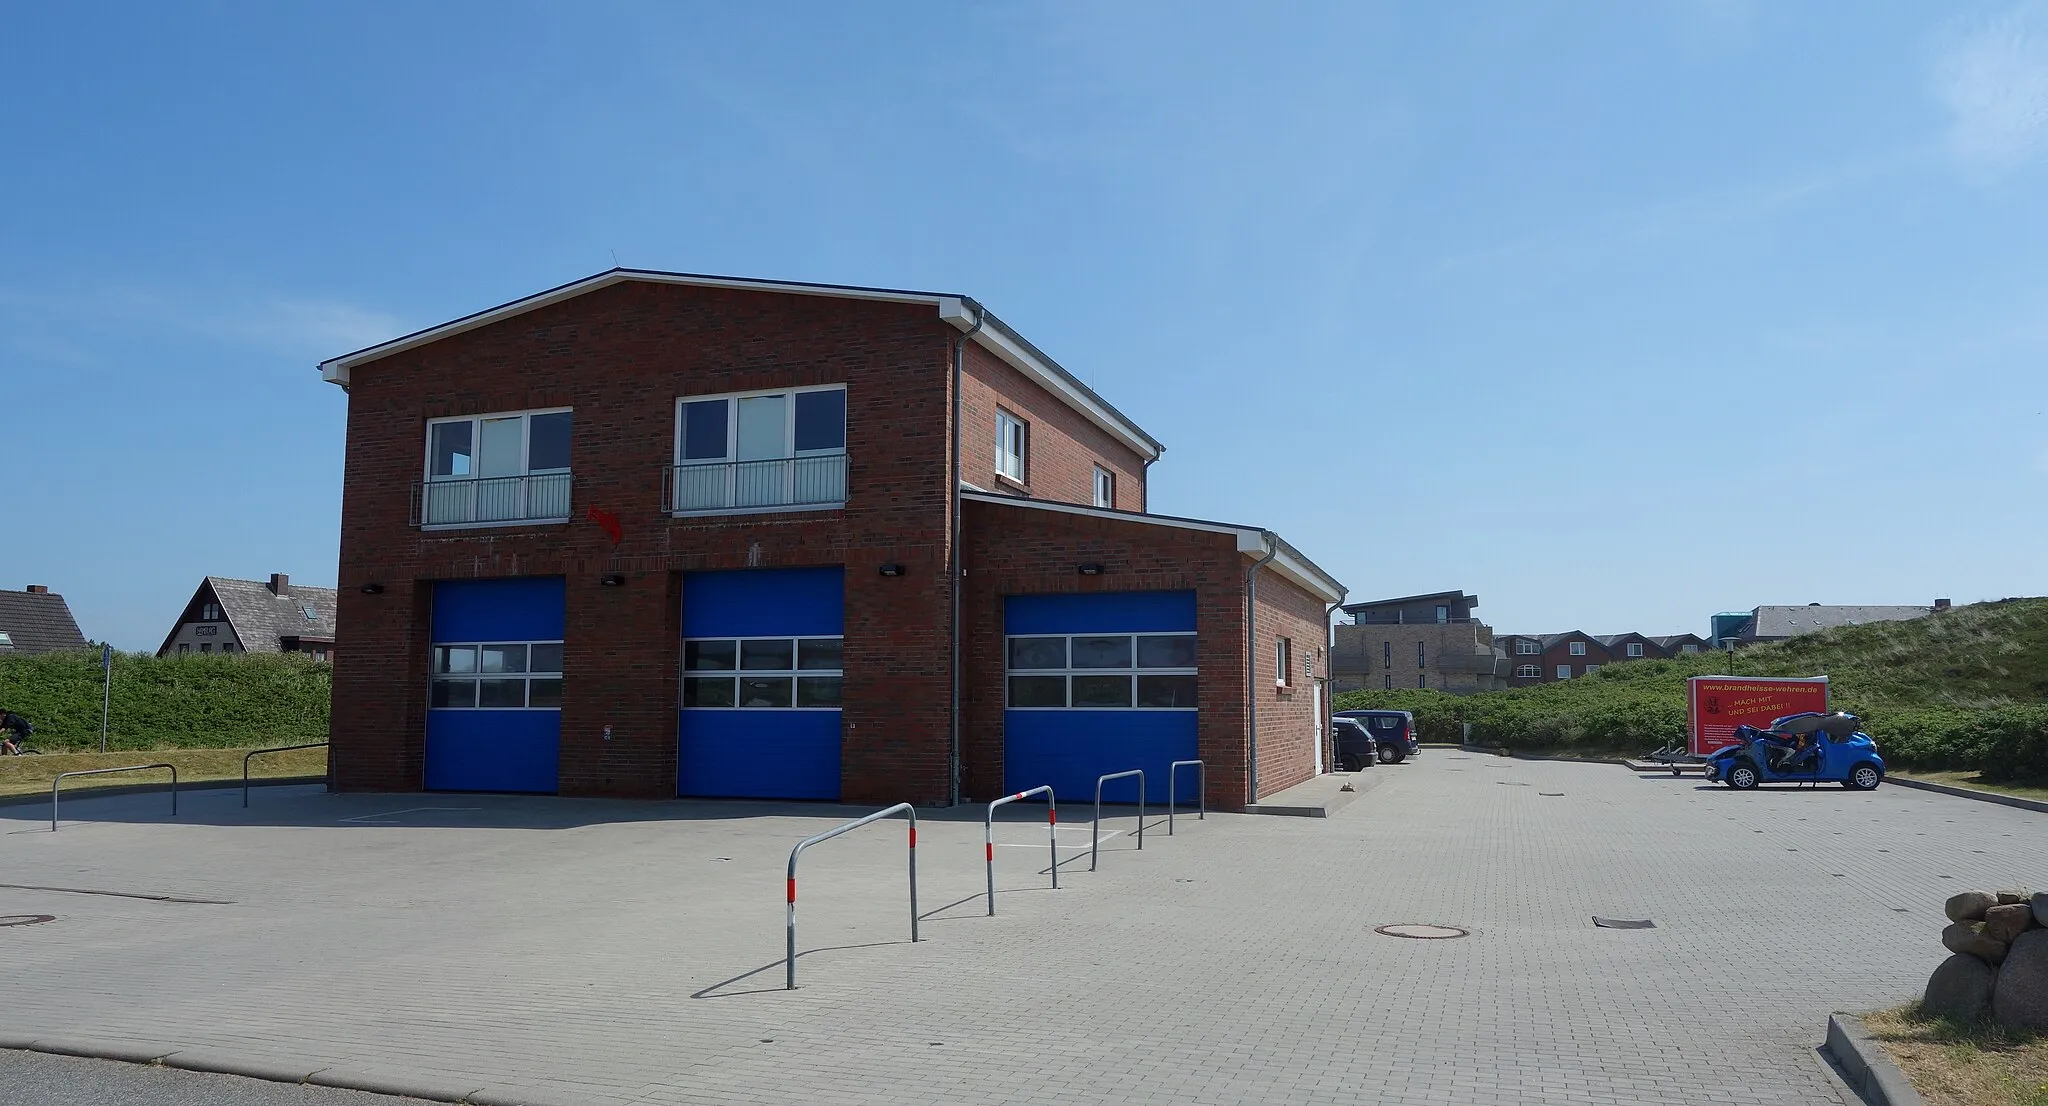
{"x": 191, "y": 700}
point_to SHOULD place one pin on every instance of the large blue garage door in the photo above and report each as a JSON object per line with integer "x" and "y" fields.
{"x": 494, "y": 718}
{"x": 761, "y": 676}
{"x": 1099, "y": 683}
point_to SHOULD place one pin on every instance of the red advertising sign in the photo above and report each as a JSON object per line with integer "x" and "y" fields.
{"x": 1715, "y": 705}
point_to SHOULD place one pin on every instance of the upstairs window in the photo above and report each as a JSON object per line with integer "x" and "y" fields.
{"x": 1013, "y": 439}
{"x": 1421, "y": 655}
{"x": 1105, "y": 487}
{"x": 1578, "y": 649}
{"x": 1283, "y": 651}
{"x": 1527, "y": 649}
{"x": 751, "y": 451}
{"x": 1635, "y": 648}
{"x": 209, "y": 612}
{"x": 1443, "y": 614}
{"x": 497, "y": 468}
{"x": 1689, "y": 647}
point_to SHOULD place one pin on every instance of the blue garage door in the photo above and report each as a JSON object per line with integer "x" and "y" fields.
{"x": 494, "y": 718}
{"x": 1097, "y": 684}
{"x": 761, "y": 676}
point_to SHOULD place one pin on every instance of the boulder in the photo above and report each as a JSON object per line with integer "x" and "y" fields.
{"x": 1960, "y": 989}
{"x": 1969, "y": 938}
{"x": 2021, "y": 997}
{"x": 1969, "y": 906}
{"x": 2008, "y": 920}
{"x": 2007, "y": 898}
{"x": 2041, "y": 908}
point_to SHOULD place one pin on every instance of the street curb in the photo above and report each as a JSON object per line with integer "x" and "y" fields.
{"x": 1971, "y": 793}
{"x": 148, "y": 788}
{"x": 1869, "y": 1070}
{"x": 220, "y": 1062}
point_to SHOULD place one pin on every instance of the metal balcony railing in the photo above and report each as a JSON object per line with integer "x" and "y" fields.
{"x": 708, "y": 487}
{"x": 541, "y": 497}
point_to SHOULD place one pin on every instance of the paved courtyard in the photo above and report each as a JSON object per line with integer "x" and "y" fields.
{"x": 591, "y": 953}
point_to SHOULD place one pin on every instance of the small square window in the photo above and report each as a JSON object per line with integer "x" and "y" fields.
{"x": 1578, "y": 649}
{"x": 1564, "y": 672}
{"x": 1635, "y": 648}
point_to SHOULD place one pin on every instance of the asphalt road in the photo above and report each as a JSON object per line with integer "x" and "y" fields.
{"x": 40, "y": 1079}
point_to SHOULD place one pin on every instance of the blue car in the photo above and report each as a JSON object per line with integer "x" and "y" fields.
{"x": 1800, "y": 748}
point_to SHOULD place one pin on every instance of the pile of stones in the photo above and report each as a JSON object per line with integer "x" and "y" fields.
{"x": 2000, "y": 966}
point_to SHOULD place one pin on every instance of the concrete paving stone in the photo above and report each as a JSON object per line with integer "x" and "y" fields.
{"x": 580, "y": 951}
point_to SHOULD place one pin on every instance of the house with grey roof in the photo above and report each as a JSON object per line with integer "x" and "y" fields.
{"x": 1776, "y": 623}
{"x": 37, "y": 620}
{"x": 226, "y": 615}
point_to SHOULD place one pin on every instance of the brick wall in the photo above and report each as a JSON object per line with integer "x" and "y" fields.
{"x": 620, "y": 357}
{"x": 1289, "y": 725}
{"x": 1026, "y": 551}
{"x": 1064, "y": 446}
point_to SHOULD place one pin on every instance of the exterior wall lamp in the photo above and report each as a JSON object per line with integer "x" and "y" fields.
{"x": 1091, "y": 569}
{"x": 892, "y": 570}
{"x": 373, "y": 589}
{"x": 612, "y": 579}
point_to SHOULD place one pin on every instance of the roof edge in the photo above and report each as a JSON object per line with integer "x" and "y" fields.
{"x": 1288, "y": 561}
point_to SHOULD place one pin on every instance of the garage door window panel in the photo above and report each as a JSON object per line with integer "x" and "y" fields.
{"x": 497, "y": 675}
{"x": 1102, "y": 672}
{"x": 776, "y": 673}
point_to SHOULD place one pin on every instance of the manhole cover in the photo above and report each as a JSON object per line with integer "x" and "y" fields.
{"x": 1421, "y": 932}
{"x": 25, "y": 919}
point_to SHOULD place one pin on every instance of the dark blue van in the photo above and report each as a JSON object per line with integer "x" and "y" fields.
{"x": 1393, "y": 733}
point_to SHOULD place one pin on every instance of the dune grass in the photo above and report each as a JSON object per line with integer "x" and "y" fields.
{"x": 1963, "y": 1063}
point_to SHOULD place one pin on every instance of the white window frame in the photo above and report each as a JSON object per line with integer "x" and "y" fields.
{"x": 791, "y": 674}
{"x": 1020, "y": 458}
{"x": 1105, "y": 488}
{"x": 1283, "y": 661}
{"x": 1578, "y": 649}
{"x": 1528, "y": 649}
{"x": 1592, "y": 668}
{"x": 526, "y": 469}
{"x": 732, "y": 446}
{"x": 1528, "y": 672}
{"x": 1134, "y": 671}
{"x": 1689, "y": 647}
{"x": 473, "y": 677}
{"x": 1564, "y": 672}
{"x": 1635, "y": 648}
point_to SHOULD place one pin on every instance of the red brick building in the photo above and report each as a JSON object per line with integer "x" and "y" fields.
{"x": 651, "y": 534}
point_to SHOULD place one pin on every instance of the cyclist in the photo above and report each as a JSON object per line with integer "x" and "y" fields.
{"x": 14, "y": 729}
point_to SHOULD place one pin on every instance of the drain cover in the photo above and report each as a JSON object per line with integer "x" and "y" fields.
{"x": 25, "y": 919}
{"x": 1421, "y": 932}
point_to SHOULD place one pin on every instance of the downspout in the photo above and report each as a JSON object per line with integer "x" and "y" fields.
{"x": 1329, "y": 684}
{"x": 1251, "y": 654}
{"x": 953, "y": 555}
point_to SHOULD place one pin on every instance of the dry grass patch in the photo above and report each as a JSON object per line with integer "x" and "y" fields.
{"x": 1976, "y": 782}
{"x": 31, "y": 775}
{"x": 1963, "y": 1064}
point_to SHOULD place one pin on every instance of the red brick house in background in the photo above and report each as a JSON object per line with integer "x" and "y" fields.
{"x": 1545, "y": 658}
{"x": 654, "y": 534}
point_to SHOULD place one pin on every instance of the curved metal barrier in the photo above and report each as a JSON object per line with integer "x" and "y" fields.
{"x": 789, "y": 976}
{"x": 62, "y": 776}
{"x": 1095, "y": 842}
{"x": 1201, "y": 791}
{"x": 279, "y": 749}
{"x": 1052, "y": 829}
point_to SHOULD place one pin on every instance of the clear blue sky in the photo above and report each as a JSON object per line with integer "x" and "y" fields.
{"x": 1617, "y": 314}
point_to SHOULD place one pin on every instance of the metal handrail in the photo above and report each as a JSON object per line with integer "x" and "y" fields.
{"x": 62, "y": 776}
{"x": 279, "y": 749}
{"x": 1095, "y": 842}
{"x": 1052, "y": 837}
{"x": 1201, "y": 790}
{"x": 789, "y": 979}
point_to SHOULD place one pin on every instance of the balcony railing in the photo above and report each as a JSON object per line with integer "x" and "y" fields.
{"x": 705, "y": 488}
{"x": 541, "y": 497}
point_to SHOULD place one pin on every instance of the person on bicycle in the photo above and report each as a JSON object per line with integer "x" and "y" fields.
{"x": 14, "y": 729}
